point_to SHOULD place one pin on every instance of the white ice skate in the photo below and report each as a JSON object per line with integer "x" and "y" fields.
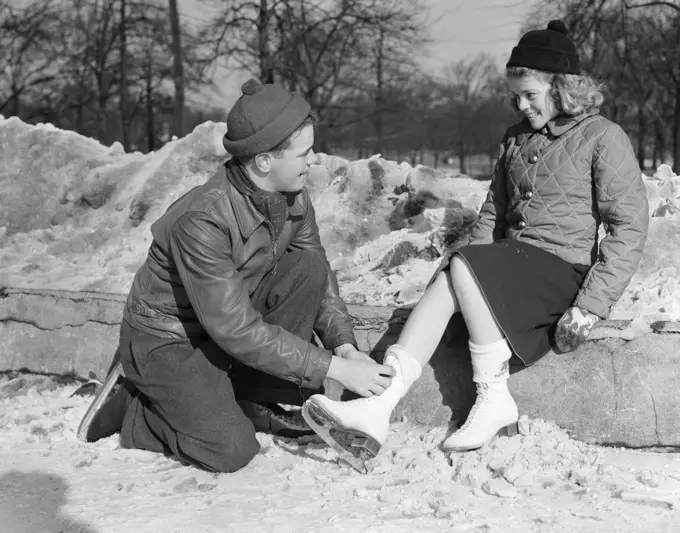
{"x": 494, "y": 413}
{"x": 357, "y": 429}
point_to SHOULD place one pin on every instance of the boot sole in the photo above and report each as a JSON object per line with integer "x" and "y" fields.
{"x": 99, "y": 400}
{"x": 354, "y": 447}
{"x": 508, "y": 431}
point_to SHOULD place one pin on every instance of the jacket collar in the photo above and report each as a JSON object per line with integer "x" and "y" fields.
{"x": 557, "y": 126}
{"x": 248, "y": 218}
{"x": 564, "y": 123}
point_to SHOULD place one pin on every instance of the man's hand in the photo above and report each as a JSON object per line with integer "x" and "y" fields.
{"x": 573, "y": 328}
{"x": 365, "y": 378}
{"x": 349, "y": 351}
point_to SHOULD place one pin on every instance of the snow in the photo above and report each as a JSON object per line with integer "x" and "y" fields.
{"x": 540, "y": 480}
{"x": 76, "y": 216}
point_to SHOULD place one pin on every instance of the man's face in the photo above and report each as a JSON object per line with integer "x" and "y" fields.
{"x": 288, "y": 171}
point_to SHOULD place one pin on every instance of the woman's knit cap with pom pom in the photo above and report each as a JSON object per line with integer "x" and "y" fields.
{"x": 549, "y": 50}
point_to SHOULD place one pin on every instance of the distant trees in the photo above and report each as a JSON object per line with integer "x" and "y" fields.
{"x": 177, "y": 69}
{"x": 99, "y": 67}
{"x": 123, "y": 70}
{"x": 127, "y": 70}
{"x": 331, "y": 51}
{"x": 428, "y": 119}
{"x": 27, "y": 51}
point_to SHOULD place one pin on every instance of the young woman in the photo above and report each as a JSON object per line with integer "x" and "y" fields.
{"x": 533, "y": 275}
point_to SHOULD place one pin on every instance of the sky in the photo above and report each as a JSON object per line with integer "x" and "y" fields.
{"x": 465, "y": 28}
{"x": 460, "y": 29}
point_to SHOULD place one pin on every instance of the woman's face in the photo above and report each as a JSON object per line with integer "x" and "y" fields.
{"x": 534, "y": 100}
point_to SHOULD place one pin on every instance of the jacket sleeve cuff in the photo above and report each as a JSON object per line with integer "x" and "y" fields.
{"x": 316, "y": 368}
{"x": 593, "y": 305}
{"x": 343, "y": 337}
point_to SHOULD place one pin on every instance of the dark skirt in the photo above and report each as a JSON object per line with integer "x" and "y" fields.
{"x": 527, "y": 290}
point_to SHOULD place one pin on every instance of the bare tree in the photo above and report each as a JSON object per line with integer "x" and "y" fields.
{"x": 664, "y": 65}
{"x": 178, "y": 69}
{"x": 123, "y": 72}
{"x": 464, "y": 87}
{"x": 672, "y": 5}
{"x": 395, "y": 31}
{"x": 328, "y": 50}
{"x": 28, "y": 54}
{"x": 241, "y": 34}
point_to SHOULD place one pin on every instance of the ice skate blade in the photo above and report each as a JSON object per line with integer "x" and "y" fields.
{"x": 369, "y": 445}
{"x": 99, "y": 400}
{"x": 507, "y": 431}
{"x": 338, "y": 439}
{"x": 357, "y": 443}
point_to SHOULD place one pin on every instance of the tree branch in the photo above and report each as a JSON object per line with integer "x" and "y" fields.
{"x": 653, "y": 4}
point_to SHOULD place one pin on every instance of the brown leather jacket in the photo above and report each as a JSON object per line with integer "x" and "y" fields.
{"x": 210, "y": 251}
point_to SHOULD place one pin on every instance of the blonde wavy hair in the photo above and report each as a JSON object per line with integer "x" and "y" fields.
{"x": 573, "y": 94}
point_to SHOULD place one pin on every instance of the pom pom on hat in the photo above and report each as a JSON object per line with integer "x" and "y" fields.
{"x": 251, "y": 87}
{"x": 558, "y": 25}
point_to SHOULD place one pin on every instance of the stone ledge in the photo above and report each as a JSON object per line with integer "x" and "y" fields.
{"x": 619, "y": 388}
{"x": 38, "y": 306}
{"x": 52, "y": 310}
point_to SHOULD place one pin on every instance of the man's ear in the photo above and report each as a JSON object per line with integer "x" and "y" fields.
{"x": 263, "y": 162}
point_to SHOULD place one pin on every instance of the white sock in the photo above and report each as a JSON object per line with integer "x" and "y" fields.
{"x": 490, "y": 361}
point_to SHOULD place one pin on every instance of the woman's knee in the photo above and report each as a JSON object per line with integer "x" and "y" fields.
{"x": 461, "y": 277}
{"x": 457, "y": 268}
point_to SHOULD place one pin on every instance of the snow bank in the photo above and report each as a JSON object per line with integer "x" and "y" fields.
{"x": 76, "y": 216}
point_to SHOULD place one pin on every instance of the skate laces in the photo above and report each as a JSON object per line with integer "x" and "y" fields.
{"x": 482, "y": 391}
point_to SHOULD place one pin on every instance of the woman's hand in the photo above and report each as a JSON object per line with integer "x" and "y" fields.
{"x": 573, "y": 328}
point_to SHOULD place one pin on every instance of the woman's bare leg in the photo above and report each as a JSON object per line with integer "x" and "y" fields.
{"x": 478, "y": 318}
{"x": 494, "y": 408}
{"x": 365, "y": 422}
{"x": 425, "y": 326}
{"x": 451, "y": 292}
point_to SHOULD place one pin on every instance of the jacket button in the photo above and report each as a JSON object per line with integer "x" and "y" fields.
{"x": 527, "y": 195}
{"x": 521, "y": 224}
{"x": 533, "y": 158}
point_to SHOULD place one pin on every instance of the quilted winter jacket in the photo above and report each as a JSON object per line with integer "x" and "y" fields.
{"x": 210, "y": 251}
{"x": 552, "y": 188}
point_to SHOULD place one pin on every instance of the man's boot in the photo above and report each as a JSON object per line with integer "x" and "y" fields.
{"x": 495, "y": 411}
{"x": 360, "y": 427}
{"x": 274, "y": 419}
{"x": 105, "y": 415}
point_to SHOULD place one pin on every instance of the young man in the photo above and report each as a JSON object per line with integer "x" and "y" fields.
{"x": 217, "y": 328}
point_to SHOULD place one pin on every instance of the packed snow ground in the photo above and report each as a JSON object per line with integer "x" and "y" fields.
{"x": 76, "y": 216}
{"x": 538, "y": 481}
